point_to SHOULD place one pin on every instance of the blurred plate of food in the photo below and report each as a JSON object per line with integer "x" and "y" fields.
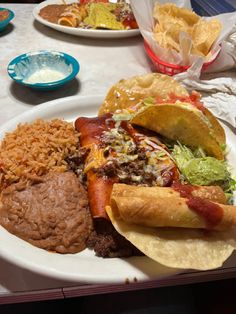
{"x": 71, "y": 170}
{"x": 88, "y": 18}
{"x": 6, "y": 16}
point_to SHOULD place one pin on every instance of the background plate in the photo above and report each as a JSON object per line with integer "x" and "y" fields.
{"x": 80, "y": 31}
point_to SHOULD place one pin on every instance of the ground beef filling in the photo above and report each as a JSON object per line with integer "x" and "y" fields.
{"x": 134, "y": 158}
{"x": 107, "y": 242}
{"x": 131, "y": 172}
{"x": 52, "y": 214}
{"x": 76, "y": 163}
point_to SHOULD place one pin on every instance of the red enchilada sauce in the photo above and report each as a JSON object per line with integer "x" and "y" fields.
{"x": 211, "y": 212}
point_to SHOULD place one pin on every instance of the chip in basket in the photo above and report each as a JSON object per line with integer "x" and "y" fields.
{"x": 171, "y": 21}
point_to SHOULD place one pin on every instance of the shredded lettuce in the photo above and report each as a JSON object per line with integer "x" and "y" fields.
{"x": 122, "y": 116}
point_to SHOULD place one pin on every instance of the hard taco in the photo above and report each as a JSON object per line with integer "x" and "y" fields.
{"x": 184, "y": 119}
{"x": 159, "y": 103}
{"x": 129, "y": 92}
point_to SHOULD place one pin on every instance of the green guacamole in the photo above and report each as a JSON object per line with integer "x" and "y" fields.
{"x": 205, "y": 171}
{"x": 198, "y": 169}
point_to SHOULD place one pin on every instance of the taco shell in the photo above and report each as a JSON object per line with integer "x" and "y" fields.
{"x": 179, "y": 122}
{"x": 129, "y": 92}
{"x": 219, "y": 132}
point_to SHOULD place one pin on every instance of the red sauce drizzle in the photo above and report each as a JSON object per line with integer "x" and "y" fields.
{"x": 185, "y": 190}
{"x": 211, "y": 212}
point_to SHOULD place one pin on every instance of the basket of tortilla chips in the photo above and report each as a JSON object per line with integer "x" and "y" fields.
{"x": 170, "y": 68}
{"x": 177, "y": 37}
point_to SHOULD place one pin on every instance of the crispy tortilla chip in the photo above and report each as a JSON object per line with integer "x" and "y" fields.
{"x": 178, "y": 122}
{"x": 128, "y": 92}
{"x": 170, "y": 12}
{"x": 185, "y": 249}
{"x": 171, "y": 21}
{"x": 204, "y": 34}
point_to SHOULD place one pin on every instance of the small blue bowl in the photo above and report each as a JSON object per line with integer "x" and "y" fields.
{"x": 4, "y": 23}
{"x": 43, "y": 70}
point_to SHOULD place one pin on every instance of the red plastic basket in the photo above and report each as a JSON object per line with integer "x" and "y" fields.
{"x": 169, "y": 68}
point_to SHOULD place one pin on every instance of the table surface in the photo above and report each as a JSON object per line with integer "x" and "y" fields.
{"x": 103, "y": 62}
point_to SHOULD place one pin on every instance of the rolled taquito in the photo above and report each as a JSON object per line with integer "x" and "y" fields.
{"x": 211, "y": 193}
{"x": 167, "y": 208}
{"x": 68, "y": 20}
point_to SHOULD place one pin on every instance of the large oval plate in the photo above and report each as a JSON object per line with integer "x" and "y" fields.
{"x": 80, "y": 31}
{"x": 83, "y": 267}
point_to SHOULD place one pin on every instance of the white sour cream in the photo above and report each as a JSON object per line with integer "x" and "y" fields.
{"x": 45, "y": 75}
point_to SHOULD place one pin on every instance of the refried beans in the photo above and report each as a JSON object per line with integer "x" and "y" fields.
{"x": 52, "y": 12}
{"x": 52, "y": 213}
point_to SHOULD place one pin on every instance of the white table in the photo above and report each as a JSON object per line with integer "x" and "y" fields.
{"x": 103, "y": 62}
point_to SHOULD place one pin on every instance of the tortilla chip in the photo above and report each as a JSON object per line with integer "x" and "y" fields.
{"x": 204, "y": 34}
{"x": 185, "y": 249}
{"x": 171, "y": 21}
{"x": 129, "y": 92}
{"x": 169, "y": 11}
{"x": 179, "y": 123}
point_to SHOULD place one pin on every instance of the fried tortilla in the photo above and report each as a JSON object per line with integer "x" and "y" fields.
{"x": 177, "y": 247}
{"x": 182, "y": 206}
{"x": 181, "y": 115}
{"x": 211, "y": 193}
{"x": 183, "y": 122}
{"x": 188, "y": 249}
{"x": 129, "y": 92}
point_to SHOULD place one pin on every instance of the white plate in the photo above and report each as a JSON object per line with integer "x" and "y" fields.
{"x": 82, "y": 267}
{"x": 80, "y": 31}
{"x": 85, "y": 266}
